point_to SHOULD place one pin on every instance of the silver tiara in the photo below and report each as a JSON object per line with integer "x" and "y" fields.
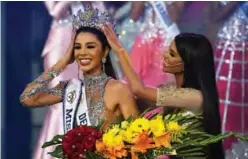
{"x": 91, "y": 18}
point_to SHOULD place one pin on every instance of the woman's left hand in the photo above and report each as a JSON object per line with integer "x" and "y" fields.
{"x": 111, "y": 37}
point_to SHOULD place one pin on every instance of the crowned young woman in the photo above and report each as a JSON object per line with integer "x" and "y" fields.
{"x": 95, "y": 95}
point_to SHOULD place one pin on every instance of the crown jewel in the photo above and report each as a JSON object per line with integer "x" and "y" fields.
{"x": 91, "y": 18}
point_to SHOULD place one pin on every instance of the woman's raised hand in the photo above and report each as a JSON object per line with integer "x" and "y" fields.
{"x": 111, "y": 37}
{"x": 69, "y": 56}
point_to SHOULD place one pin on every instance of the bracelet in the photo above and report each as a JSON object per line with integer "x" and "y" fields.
{"x": 54, "y": 73}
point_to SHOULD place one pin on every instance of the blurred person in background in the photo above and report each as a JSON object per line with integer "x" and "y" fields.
{"x": 144, "y": 35}
{"x": 130, "y": 18}
{"x": 156, "y": 33}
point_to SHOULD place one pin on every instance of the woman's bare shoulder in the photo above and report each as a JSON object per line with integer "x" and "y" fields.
{"x": 117, "y": 86}
{"x": 115, "y": 91}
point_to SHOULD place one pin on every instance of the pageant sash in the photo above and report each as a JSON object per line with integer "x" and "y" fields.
{"x": 82, "y": 112}
{"x": 75, "y": 110}
{"x": 161, "y": 12}
{"x": 243, "y": 6}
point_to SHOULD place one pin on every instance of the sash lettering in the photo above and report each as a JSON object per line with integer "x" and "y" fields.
{"x": 75, "y": 105}
{"x": 83, "y": 119}
{"x": 68, "y": 117}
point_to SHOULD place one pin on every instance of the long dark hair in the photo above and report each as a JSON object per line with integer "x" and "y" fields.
{"x": 102, "y": 38}
{"x": 199, "y": 73}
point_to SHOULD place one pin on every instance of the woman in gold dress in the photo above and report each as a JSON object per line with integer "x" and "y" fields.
{"x": 190, "y": 59}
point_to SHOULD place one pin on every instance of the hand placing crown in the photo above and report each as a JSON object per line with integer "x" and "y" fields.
{"x": 92, "y": 18}
{"x": 112, "y": 38}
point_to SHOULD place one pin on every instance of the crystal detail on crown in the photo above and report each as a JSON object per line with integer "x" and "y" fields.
{"x": 91, "y": 18}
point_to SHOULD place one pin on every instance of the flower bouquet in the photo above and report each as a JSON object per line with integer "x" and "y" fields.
{"x": 179, "y": 133}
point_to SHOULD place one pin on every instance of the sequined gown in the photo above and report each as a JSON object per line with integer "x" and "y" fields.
{"x": 231, "y": 58}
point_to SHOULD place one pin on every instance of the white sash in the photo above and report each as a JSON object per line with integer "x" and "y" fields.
{"x": 75, "y": 105}
{"x": 162, "y": 14}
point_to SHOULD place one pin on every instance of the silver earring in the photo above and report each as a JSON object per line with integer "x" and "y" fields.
{"x": 104, "y": 60}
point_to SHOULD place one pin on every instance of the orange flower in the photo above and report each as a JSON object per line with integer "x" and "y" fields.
{"x": 111, "y": 153}
{"x": 163, "y": 140}
{"x": 100, "y": 147}
{"x": 141, "y": 144}
{"x": 119, "y": 151}
{"x": 134, "y": 156}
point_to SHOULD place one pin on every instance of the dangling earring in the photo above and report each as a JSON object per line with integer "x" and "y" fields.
{"x": 103, "y": 61}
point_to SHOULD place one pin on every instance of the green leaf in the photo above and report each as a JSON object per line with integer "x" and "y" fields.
{"x": 195, "y": 157}
{"x": 245, "y": 138}
{"x": 190, "y": 150}
{"x": 144, "y": 112}
{"x": 216, "y": 138}
{"x": 199, "y": 133}
{"x": 186, "y": 144}
{"x": 196, "y": 154}
{"x": 173, "y": 117}
{"x": 180, "y": 119}
{"x": 167, "y": 118}
{"x": 58, "y": 152}
{"x": 194, "y": 124}
{"x": 55, "y": 141}
{"x": 93, "y": 155}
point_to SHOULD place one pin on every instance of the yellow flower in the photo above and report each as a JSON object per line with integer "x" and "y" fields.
{"x": 127, "y": 135}
{"x": 175, "y": 130}
{"x": 107, "y": 139}
{"x": 112, "y": 138}
{"x": 157, "y": 126}
{"x": 139, "y": 125}
{"x": 118, "y": 140}
{"x": 112, "y": 141}
{"x": 114, "y": 130}
{"x": 124, "y": 124}
{"x": 173, "y": 126}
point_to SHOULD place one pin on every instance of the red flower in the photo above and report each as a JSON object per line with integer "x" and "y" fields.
{"x": 79, "y": 140}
